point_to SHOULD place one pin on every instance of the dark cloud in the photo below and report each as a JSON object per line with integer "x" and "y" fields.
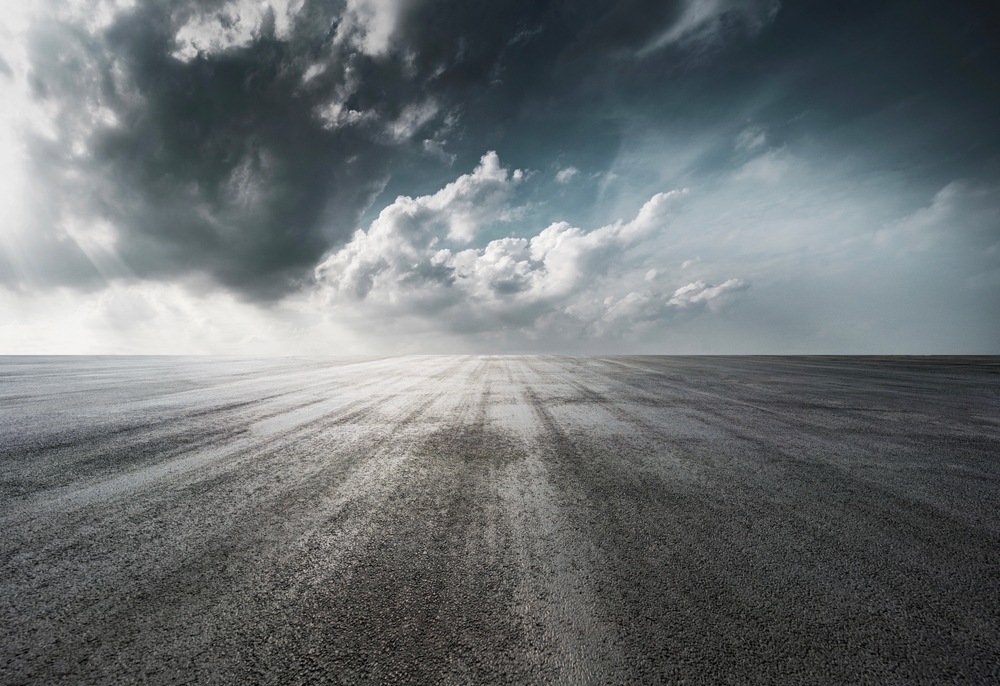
{"x": 250, "y": 160}
{"x": 220, "y": 165}
{"x": 233, "y": 164}
{"x": 223, "y": 164}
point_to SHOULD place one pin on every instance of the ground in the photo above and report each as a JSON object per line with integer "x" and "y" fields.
{"x": 499, "y": 519}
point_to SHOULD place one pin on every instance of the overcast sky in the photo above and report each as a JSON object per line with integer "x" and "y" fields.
{"x": 580, "y": 176}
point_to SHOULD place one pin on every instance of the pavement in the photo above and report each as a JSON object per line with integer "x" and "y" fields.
{"x": 455, "y": 520}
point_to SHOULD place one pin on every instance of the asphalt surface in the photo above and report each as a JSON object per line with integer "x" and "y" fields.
{"x": 499, "y": 519}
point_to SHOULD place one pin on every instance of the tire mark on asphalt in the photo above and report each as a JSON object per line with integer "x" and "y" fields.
{"x": 193, "y": 452}
{"x": 747, "y": 513}
{"x": 555, "y": 596}
{"x": 483, "y": 526}
{"x": 215, "y": 562}
{"x": 426, "y": 601}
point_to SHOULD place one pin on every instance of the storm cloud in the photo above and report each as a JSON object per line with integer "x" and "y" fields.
{"x": 241, "y": 141}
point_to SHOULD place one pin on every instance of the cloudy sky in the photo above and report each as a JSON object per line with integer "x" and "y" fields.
{"x": 585, "y": 176}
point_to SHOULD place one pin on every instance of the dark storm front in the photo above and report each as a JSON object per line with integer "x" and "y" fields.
{"x": 498, "y": 519}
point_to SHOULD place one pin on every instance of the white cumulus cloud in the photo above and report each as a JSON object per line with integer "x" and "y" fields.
{"x": 399, "y": 246}
{"x": 399, "y": 267}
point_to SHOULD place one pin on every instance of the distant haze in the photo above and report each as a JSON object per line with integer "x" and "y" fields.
{"x": 386, "y": 176}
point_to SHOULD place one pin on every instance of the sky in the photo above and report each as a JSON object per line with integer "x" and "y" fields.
{"x": 466, "y": 176}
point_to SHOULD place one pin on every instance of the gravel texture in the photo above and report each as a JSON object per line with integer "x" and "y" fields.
{"x": 500, "y": 519}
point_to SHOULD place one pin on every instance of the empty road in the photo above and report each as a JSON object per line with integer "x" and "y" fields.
{"x": 499, "y": 519}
